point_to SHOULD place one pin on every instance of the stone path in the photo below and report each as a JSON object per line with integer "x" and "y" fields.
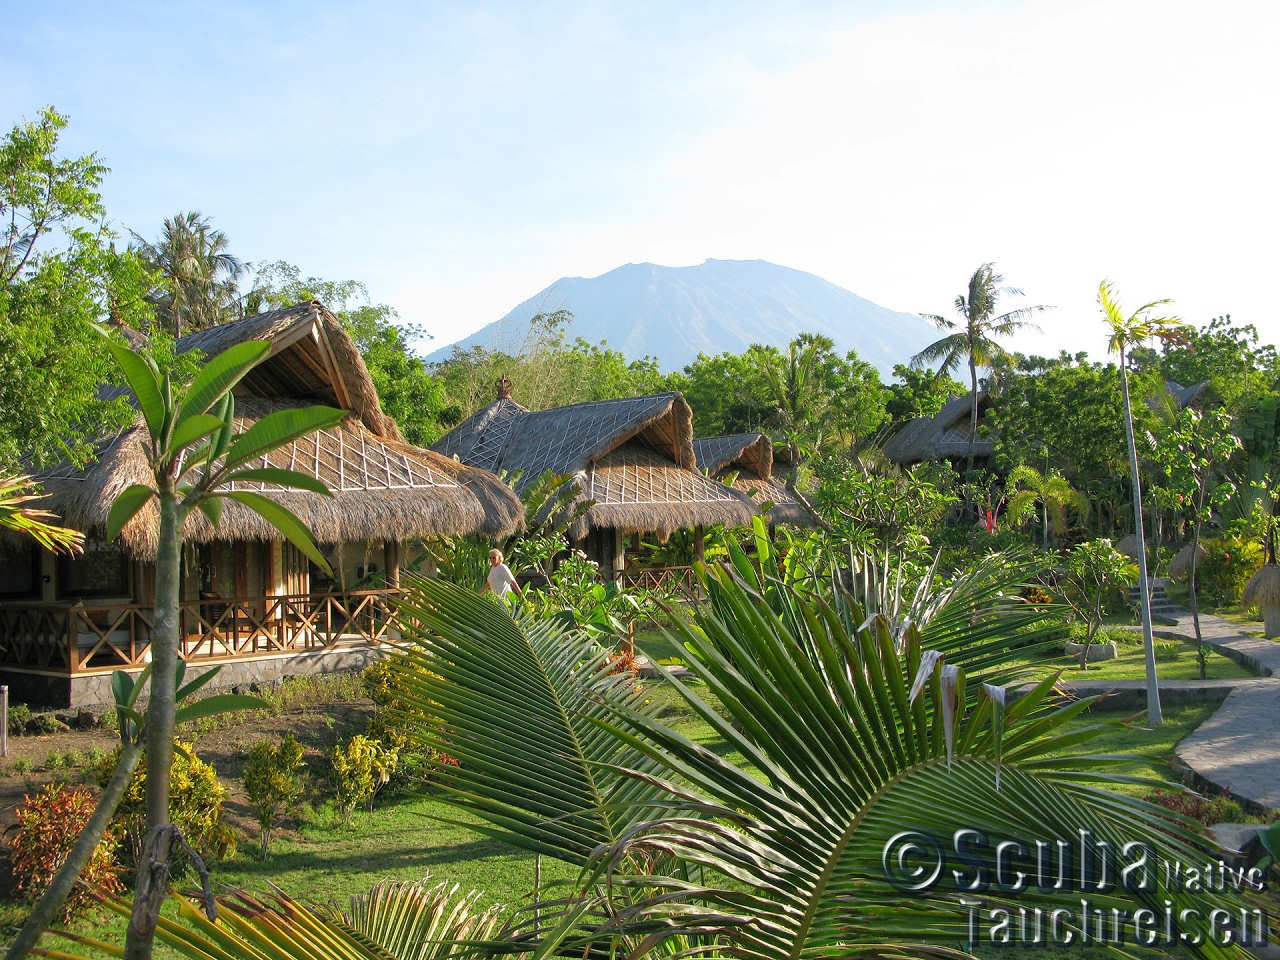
{"x": 1238, "y": 747}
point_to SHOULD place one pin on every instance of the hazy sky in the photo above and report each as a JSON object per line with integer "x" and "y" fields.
{"x": 460, "y": 157}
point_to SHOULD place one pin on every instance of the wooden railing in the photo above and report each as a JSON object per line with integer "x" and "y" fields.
{"x": 668, "y": 581}
{"x": 85, "y": 638}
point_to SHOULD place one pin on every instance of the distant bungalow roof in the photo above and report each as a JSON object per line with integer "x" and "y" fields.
{"x": 633, "y": 457}
{"x": 944, "y": 435}
{"x": 383, "y": 488}
{"x": 752, "y": 456}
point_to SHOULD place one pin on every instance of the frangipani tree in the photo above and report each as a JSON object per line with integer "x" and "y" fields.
{"x": 1127, "y": 332}
{"x": 194, "y": 456}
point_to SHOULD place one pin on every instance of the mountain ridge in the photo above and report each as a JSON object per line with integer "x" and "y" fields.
{"x": 674, "y": 313}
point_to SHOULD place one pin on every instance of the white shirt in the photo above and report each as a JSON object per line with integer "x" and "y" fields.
{"x": 500, "y": 579}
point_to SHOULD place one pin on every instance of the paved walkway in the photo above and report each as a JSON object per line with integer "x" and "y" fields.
{"x": 1238, "y": 747}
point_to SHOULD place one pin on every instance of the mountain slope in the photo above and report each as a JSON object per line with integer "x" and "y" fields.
{"x": 675, "y": 313}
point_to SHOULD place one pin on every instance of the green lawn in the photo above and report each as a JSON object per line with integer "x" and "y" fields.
{"x": 1131, "y": 665}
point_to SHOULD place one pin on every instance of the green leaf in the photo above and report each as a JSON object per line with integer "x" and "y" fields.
{"x": 211, "y": 507}
{"x": 281, "y": 477}
{"x": 218, "y": 703}
{"x": 185, "y": 691}
{"x": 192, "y": 429}
{"x": 293, "y": 529}
{"x": 126, "y": 505}
{"x": 219, "y": 375}
{"x": 121, "y": 687}
{"x": 276, "y": 429}
{"x": 144, "y": 380}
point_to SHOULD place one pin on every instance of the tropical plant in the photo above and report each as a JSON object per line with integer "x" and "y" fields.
{"x": 361, "y": 767}
{"x": 973, "y": 339}
{"x": 1093, "y": 572}
{"x": 578, "y": 595}
{"x": 131, "y": 725}
{"x": 1026, "y": 487}
{"x": 849, "y": 733}
{"x": 1191, "y": 455}
{"x": 200, "y": 276}
{"x": 271, "y": 782}
{"x": 195, "y": 808}
{"x": 1127, "y": 332}
{"x": 400, "y": 921}
{"x": 48, "y": 824}
{"x": 194, "y": 456}
{"x": 552, "y": 504}
{"x": 17, "y": 493}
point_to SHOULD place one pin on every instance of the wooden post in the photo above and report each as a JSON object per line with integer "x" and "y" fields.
{"x": 391, "y": 564}
{"x": 699, "y": 543}
{"x": 4, "y": 721}
{"x": 618, "y": 560}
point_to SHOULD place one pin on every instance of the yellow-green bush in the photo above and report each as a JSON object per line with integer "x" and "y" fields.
{"x": 271, "y": 782}
{"x": 1228, "y": 564}
{"x": 195, "y": 803}
{"x": 361, "y": 767}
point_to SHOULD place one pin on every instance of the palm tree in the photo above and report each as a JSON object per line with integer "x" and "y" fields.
{"x": 17, "y": 493}
{"x": 799, "y": 389}
{"x": 1128, "y": 332}
{"x": 1026, "y": 486}
{"x": 973, "y": 337}
{"x": 200, "y": 276}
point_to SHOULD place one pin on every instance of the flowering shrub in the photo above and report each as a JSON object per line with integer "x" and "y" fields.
{"x": 271, "y": 782}
{"x": 195, "y": 803}
{"x": 1228, "y": 564}
{"x": 360, "y": 768}
{"x": 48, "y": 824}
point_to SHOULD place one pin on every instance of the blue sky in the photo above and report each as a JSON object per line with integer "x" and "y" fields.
{"x": 459, "y": 157}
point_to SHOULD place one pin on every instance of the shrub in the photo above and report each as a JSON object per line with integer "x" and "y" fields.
{"x": 48, "y": 824}
{"x": 55, "y": 761}
{"x": 42, "y": 724}
{"x": 1168, "y": 650}
{"x": 19, "y": 719}
{"x": 1228, "y": 564}
{"x": 1207, "y": 810}
{"x": 360, "y": 768}
{"x": 272, "y": 783}
{"x": 394, "y": 721}
{"x": 22, "y": 765}
{"x": 195, "y": 803}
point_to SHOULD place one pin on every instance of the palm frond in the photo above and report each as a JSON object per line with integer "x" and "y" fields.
{"x": 516, "y": 701}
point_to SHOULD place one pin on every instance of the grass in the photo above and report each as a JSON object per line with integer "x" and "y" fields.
{"x": 1131, "y": 665}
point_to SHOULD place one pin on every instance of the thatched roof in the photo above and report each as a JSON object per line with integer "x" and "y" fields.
{"x": 633, "y": 457}
{"x": 941, "y": 436}
{"x": 1180, "y": 565}
{"x": 384, "y": 488}
{"x": 1185, "y": 396}
{"x": 752, "y": 456}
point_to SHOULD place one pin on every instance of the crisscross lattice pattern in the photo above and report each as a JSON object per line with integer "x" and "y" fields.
{"x": 634, "y": 474}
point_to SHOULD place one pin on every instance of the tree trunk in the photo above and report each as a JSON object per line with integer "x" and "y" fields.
{"x": 153, "y": 862}
{"x": 1154, "y": 713}
{"x": 973, "y": 412}
{"x": 55, "y": 895}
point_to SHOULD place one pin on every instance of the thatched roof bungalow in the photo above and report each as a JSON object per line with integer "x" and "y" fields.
{"x": 943, "y": 436}
{"x": 385, "y": 492}
{"x": 750, "y": 457}
{"x": 632, "y": 457}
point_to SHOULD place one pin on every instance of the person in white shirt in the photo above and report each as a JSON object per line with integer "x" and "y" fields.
{"x": 500, "y": 579}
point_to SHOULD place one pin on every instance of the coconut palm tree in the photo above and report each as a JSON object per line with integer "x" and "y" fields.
{"x": 200, "y": 276}
{"x": 1026, "y": 487}
{"x": 1127, "y": 332}
{"x": 973, "y": 338}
